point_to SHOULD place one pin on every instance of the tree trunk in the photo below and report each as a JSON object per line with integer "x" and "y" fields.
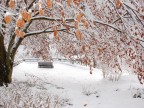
{"x": 6, "y": 66}
{"x": 5, "y": 73}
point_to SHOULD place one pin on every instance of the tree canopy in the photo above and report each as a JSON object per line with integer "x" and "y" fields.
{"x": 108, "y": 33}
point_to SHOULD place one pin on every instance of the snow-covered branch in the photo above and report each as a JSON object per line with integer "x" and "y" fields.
{"x": 31, "y": 4}
{"x": 41, "y": 31}
{"x": 134, "y": 13}
{"x": 50, "y": 19}
{"x": 110, "y": 25}
{"x": 132, "y": 7}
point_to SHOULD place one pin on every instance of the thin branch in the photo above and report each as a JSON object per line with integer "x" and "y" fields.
{"x": 31, "y": 4}
{"x": 41, "y": 31}
{"x": 134, "y": 13}
{"x": 50, "y": 19}
{"x": 141, "y": 40}
{"x": 119, "y": 18}
{"x": 134, "y": 9}
{"x": 51, "y": 27}
{"x": 110, "y": 25}
{"x": 7, "y": 1}
{"x": 68, "y": 32}
{"x": 25, "y": 1}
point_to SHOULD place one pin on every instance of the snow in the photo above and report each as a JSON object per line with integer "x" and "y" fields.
{"x": 83, "y": 90}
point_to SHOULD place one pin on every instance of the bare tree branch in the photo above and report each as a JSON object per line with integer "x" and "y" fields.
{"x": 134, "y": 9}
{"x": 42, "y": 31}
{"x": 50, "y": 19}
{"x": 31, "y": 4}
{"x": 110, "y": 25}
{"x": 119, "y": 18}
{"x": 134, "y": 13}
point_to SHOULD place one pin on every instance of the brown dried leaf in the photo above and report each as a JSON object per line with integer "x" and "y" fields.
{"x": 79, "y": 34}
{"x": 24, "y": 14}
{"x": 79, "y": 16}
{"x": 85, "y": 23}
{"x": 69, "y": 2}
{"x": 77, "y": 2}
{"x": 62, "y": 13}
{"x": 76, "y": 24}
{"x": 55, "y": 31}
{"x": 118, "y": 4}
{"x": 41, "y": 12}
{"x": 12, "y": 4}
{"x": 20, "y": 23}
{"x": 7, "y": 19}
{"x": 21, "y": 34}
{"x": 49, "y": 4}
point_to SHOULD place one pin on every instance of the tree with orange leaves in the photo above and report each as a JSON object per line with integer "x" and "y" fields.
{"x": 110, "y": 30}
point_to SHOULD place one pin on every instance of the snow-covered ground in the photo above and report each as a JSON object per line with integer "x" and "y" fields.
{"x": 74, "y": 87}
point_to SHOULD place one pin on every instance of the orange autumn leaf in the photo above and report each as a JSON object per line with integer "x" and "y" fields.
{"x": 24, "y": 14}
{"x": 21, "y": 34}
{"x": 55, "y": 31}
{"x": 49, "y": 4}
{"x": 62, "y": 13}
{"x": 41, "y": 12}
{"x": 79, "y": 34}
{"x": 79, "y": 16}
{"x": 16, "y": 32}
{"x": 118, "y": 4}
{"x": 83, "y": 20}
{"x": 20, "y": 23}
{"x": 85, "y": 23}
{"x": 77, "y": 2}
{"x": 69, "y": 2}
{"x": 76, "y": 24}
{"x": 58, "y": 38}
{"x": 12, "y": 4}
{"x": 7, "y": 19}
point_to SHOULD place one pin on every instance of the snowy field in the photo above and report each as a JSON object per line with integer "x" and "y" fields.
{"x": 69, "y": 86}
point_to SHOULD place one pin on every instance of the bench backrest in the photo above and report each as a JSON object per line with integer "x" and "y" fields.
{"x": 45, "y": 64}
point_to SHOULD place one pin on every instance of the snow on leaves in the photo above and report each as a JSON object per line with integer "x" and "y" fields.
{"x": 26, "y": 15}
{"x": 107, "y": 33}
{"x": 7, "y": 18}
{"x": 20, "y": 22}
{"x": 12, "y": 4}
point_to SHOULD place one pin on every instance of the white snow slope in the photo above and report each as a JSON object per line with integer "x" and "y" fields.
{"x": 81, "y": 89}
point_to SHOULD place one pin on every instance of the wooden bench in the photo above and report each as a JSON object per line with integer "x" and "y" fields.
{"x": 45, "y": 65}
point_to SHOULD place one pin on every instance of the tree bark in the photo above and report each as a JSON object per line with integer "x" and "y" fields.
{"x": 6, "y": 66}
